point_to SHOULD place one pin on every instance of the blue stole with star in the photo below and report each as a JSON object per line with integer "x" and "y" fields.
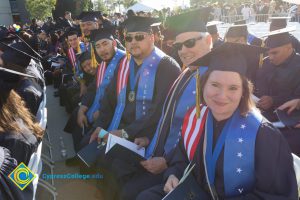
{"x": 238, "y": 136}
{"x": 250, "y": 38}
{"x": 145, "y": 88}
{"x": 109, "y": 72}
{"x": 185, "y": 102}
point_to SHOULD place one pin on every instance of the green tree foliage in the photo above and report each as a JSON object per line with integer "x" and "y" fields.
{"x": 100, "y": 5}
{"x": 40, "y": 9}
{"x": 128, "y": 3}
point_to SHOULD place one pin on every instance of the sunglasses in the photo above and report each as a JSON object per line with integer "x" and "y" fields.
{"x": 190, "y": 43}
{"x": 138, "y": 37}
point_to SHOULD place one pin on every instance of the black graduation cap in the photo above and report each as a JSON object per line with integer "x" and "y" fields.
{"x": 238, "y": 29}
{"x": 279, "y": 37}
{"x": 212, "y": 27}
{"x": 87, "y": 16}
{"x": 17, "y": 54}
{"x": 156, "y": 27}
{"x": 139, "y": 24}
{"x": 193, "y": 21}
{"x": 230, "y": 57}
{"x": 102, "y": 33}
{"x": 84, "y": 56}
{"x": 278, "y": 23}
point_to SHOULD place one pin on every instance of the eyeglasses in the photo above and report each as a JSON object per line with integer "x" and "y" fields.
{"x": 138, "y": 37}
{"x": 190, "y": 43}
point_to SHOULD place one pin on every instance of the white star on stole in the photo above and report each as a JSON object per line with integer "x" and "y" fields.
{"x": 240, "y": 140}
{"x": 240, "y": 190}
{"x": 238, "y": 170}
{"x": 243, "y": 126}
{"x": 239, "y": 154}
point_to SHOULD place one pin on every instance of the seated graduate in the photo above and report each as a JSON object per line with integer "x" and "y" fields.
{"x": 18, "y": 131}
{"x": 132, "y": 104}
{"x": 19, "y": 55}
{"x": 8, "y": 189}
{"x": 237, "y": 153}
{"x": 213, "y": 31}
{"x": 277, "y": 81}
{"x": 280, "y": 23}
{"x": 84, "y": 116}
{"x": 292, "y": 135}
{"x": 192, "y": 41}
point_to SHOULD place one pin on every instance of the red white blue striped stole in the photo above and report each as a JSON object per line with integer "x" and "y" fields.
{"x": 123, "y": 75}
{"x": 193, "y": 129}
{"x": 72, "y": 57}
{"x": 100, "y": 73}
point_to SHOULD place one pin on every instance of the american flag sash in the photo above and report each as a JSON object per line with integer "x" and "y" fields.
{"x": 192, "y": 129}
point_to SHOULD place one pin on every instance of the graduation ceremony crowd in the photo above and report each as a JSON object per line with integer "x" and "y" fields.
{"x": 175, "y": 88}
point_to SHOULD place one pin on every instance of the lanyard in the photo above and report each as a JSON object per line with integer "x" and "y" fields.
{"x": 134, "y": 79}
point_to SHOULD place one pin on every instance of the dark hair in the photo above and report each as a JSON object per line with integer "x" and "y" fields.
{"x": 246, "y": 103}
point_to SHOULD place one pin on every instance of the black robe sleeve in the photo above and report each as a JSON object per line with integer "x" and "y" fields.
{"x": 177, "y": 162}
{"x": 168, "y": 71}
{"x": 274, "y": 171}
{"x": 88, "y": 98}
{"x": 8, "y": 190}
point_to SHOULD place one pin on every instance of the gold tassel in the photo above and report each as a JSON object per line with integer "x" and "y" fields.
{"x": 82, "y": 33}
{"x": 127, "y": 55}
{"x": 93, "y": 57}
{"x": 183, "y": 67}
{"x": 78, "y": 48}
{"x": 261, "y": 56}
{"x": 198, "y": 88}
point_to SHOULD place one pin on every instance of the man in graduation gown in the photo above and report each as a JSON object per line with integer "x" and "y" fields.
{"x": 131, "y": 109}
{"x": 181, "y": 97}
{"x": 253, "y": 167}
{"x": 280, "y": 23}
{"x": 278, "y": 79}
{"x": 105, "y": 47}
{"x": 238, "y": 33}
{"x": 213, "y": 31}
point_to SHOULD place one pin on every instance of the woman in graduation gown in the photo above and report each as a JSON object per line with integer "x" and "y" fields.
{"x": 237, "y": 153}
{"x": 18, "y": 131}
{"x": 8, "y": 190}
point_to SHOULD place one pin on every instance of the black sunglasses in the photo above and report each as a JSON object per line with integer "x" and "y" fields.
{"x": 190, "y": 43}
{"x": 138, "y": 37}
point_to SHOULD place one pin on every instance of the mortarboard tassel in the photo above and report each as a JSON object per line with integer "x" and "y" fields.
{"x": 198, "y": 88}
{"x": 183, "y": 67}
{"x": 261, "y": 56}
{"x": 93, "y": 57}
{"x": 78, "y": 48}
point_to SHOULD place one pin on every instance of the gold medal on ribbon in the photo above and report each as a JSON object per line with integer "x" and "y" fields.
{"x": 131, "y": 96}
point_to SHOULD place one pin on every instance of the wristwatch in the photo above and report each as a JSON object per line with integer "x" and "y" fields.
{"x": 124, "y": 134}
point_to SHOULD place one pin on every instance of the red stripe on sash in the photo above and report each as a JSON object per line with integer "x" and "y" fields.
{"x": 100, "y": 73}
{"x": 122, "y": 75}
{"x": 200, "y": 133}
{"x": 191, "y": 127}
{"x": 72, "y": 57}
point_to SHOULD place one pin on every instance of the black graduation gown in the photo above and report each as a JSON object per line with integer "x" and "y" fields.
{"x": 142, "y": 179}
{"x": 21, "y": 145}
{"x": 8, "y": 190}
{"x": 295, "y": 43}
{"x": 280, "y": 82}
{"x": 177, "y": 91}
{"x": 274, "y": 173}
{"x": 31, "y": 93}
{"x": 168, "y": 70}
